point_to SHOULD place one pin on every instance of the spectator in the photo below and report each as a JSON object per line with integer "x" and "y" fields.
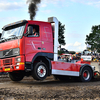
{"x": 59, "y": 57}
{"x": 67, "y": 59}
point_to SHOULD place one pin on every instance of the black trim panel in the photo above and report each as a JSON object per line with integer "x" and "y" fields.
{"x": 48, "y": 55}
{"x": 28, "y": 65}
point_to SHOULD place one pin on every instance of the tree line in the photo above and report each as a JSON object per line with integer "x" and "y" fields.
{"x": 93, "y": 39}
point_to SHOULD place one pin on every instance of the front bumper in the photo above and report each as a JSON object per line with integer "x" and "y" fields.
{"x": 12, "y": 64}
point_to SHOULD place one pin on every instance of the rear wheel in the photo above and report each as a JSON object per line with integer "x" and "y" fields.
{"x": 16, "y": 76}
{"x": 86, "y": 74}
{"x": 40, "y": 71}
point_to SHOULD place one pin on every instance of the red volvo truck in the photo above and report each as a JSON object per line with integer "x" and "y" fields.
{"x": 24, "y": 54}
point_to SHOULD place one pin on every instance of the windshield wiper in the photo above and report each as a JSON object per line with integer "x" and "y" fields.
{"x": 7, "y": 39}
{"x": 13, "y": 36}
{"x": 3, "y": 39}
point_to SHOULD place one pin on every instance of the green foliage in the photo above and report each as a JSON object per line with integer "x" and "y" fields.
{"x": 72, "y": 52}
{"x": 63, "y": 50}
{"x": 60, "y": 52}
{"x": 93, "y": 38}
{"x": 61, "y": 34}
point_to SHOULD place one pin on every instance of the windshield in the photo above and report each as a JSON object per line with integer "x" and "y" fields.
{"x": 15, "y": 32}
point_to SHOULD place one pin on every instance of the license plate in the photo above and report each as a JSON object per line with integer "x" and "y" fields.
{"x": 7, "y": 69}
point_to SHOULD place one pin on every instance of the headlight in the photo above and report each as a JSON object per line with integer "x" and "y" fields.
{"x": 16, "y": 51}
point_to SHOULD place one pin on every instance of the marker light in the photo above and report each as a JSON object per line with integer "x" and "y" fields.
{"x": 21, "y": 63}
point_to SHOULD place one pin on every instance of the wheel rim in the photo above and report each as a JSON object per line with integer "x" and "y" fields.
{"x": 41, "y": 71}
{"x": 86, "y": 75}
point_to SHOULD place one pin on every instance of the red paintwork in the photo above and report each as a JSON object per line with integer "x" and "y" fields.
{"x": 83, "y": 62}
{"x": 9, "y": 45}
{"x": 65, "y": 66}
{"x": 44, "y": 41}
{"x": 29, "y": 45}
{"x": 11, "y": 63}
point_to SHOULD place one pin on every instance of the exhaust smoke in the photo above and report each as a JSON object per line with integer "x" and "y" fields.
{"x": 33, "y": 7}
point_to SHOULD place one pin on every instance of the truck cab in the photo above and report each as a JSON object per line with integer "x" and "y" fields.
{"x": 20, "y": 49}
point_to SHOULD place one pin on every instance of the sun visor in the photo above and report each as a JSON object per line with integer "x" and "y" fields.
{"x": 14, "y": 24}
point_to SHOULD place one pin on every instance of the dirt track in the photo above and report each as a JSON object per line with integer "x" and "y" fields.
{"x": 49, "y": 89}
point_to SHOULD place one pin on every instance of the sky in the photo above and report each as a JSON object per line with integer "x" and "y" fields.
{"x": 78, "y": 16}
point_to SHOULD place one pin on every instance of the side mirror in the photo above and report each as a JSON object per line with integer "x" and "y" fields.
{"x": 0, "y": 35}
{"x": 30, "y": 30}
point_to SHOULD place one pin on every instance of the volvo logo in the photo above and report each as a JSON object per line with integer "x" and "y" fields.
{"x": 7, "y": 52}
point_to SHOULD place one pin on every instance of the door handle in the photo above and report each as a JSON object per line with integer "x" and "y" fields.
{"x": 39, "y": 48}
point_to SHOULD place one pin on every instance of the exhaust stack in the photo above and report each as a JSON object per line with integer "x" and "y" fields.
{"x": 54, "y": 22}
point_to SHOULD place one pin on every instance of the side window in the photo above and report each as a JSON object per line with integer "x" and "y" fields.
{"x": 35, "y": 32}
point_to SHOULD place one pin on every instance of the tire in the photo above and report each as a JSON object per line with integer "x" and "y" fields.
{"x": 40, "y": 71}
{"x": 16, "y": 76}
{"x": 86, "y": 74}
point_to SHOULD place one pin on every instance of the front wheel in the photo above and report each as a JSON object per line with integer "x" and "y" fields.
{"x": 40, "y": 71}
{"x": 86, "y": 74}
{"x": 18, "y": 76}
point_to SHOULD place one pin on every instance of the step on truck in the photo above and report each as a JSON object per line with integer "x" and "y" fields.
{"x": 27, "y": 53}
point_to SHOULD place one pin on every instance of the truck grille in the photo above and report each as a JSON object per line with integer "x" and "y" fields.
{"x": 7, "y": 62}
{"x": 9, "y": 53}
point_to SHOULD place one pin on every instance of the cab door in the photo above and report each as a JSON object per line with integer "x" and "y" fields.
{"x": 33, "y": 44}
{"x": 47, "y": 38}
